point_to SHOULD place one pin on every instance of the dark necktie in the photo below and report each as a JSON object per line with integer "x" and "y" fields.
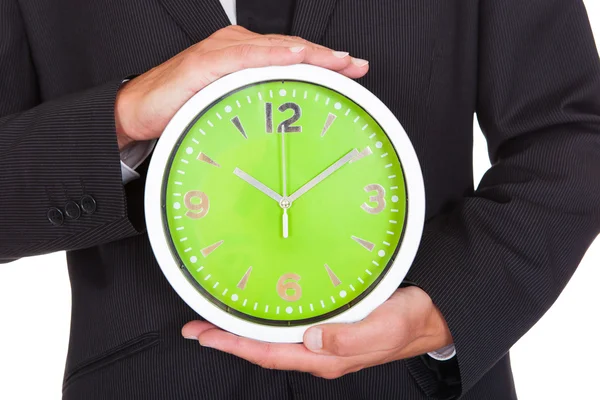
{"x": 266, "y": 16}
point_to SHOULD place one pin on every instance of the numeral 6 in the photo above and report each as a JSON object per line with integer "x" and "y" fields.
{"x": 288, "y": 288}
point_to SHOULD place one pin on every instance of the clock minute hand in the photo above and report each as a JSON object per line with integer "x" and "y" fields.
{"x": 319, "y": 178}
{"x": 258, "y": 185}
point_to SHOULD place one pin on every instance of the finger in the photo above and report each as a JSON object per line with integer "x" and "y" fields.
{"x": 193, "y": 329}
{"x": 356, "y": 69}
{"x": 284, "y": 40}
{"x": 327, "y": 58}
{"x": 318, "y": 55}
{"x": 380, "y": 331}
{"x": 314, "y": 54}
{"x": 294, "y": 357}
{"x": 202, "y": 69}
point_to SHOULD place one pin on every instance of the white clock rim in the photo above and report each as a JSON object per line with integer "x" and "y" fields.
{"x": 311, "y": 74}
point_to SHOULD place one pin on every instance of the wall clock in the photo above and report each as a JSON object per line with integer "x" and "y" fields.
{"x": 283, "y": 197}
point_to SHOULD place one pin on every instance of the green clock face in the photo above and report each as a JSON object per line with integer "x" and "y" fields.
{"x": 285, "y": 202}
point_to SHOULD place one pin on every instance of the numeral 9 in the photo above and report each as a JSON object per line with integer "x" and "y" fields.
{"x": 288, "y": 288}
{"x": 199, "y": 209}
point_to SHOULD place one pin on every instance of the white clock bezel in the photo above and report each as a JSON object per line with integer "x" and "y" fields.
{"x": 159, "y": 238}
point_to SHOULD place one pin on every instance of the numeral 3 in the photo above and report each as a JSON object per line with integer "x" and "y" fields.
{"x": 379, "y": 199}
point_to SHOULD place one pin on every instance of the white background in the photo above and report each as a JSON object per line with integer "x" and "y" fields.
{"x": 557, "y": 359}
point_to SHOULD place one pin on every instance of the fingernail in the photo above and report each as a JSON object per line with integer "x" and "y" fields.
{"x": 359, "y": 62}
{"x": 205, "y": 345}
{"x": 191, "y": 337}
{"x": 296, "y": 49}
{"x": 314, "y": 339}
{"x": 340, "y": 54}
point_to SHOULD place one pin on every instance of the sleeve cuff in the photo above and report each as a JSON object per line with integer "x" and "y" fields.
{"x": 132, "y": 157}
{"x": 443, "y": 354}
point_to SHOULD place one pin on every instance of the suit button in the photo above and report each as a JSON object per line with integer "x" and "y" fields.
{"x": 55, "y": 216}
{"x": 88, "y": 204}
{"x": 72, "y": 210}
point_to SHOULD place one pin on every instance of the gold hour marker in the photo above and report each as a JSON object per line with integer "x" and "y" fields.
{"x": 203, "y": 157}
{"x": 367, "y": 245}
{"x": 334, "y": 279}
{"x": 330, "y": 118}
{"x": 242, "y": 284}
{"x": 366, "y": 152}
{"x": 238, "y": 124}
{"x": 207, "y": 250}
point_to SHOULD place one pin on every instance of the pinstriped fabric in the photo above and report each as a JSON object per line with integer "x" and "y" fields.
{"x": 115, "y": 38}
{"x": 493, "y": 260}
{"x": 311, "y": 18}
{"x": 186, "y": 13}
{"x": 498, "y": 259}
{"x": 46, "y": 162}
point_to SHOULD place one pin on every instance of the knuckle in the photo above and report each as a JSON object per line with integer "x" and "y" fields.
{"x": 190, "y": 61}
{"x": 341, "y": 343}
{"x": 332, "y": 374}
{"x": 266, "y": 360}
{"x": 237, "y": 28}
{"x": 276, "y": 40}
{"x": 225, "y": 31}
{"x": 396, "y": 328}
{"x": 242, "y": 50}
{"x": 199, "y": 47}
{"x": 334, "y": 370}
{"x": 268, "y": 364}
{"x": 299, "y": 39}
{"x": 238, "y": 54}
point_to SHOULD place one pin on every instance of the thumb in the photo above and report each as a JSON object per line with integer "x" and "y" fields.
{"x": 339, "y": 339}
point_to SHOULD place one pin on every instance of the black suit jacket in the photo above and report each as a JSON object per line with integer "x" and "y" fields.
{"x": 493, "y": 259}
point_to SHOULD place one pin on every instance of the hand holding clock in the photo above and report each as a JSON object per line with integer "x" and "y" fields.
{"x": 406, "y": 325}
{"x": 321, "y": 272}
{"x": 147, "y": 103}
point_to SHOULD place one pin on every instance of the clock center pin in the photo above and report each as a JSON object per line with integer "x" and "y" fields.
{"x": 285, "y": 203}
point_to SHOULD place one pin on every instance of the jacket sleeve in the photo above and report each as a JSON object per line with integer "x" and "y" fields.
{"x": 54, "y": 155}
{"x": 497, "y": 260}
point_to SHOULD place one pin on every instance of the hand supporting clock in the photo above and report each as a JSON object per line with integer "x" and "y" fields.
{"x": 145, "y": 104}
{"x": 406, "y": 325}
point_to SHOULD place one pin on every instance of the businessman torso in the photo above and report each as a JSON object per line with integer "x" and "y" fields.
{"x": 125, "y": 335}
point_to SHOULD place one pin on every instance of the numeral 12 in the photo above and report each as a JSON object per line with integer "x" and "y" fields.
{"x": 287, "y": 124}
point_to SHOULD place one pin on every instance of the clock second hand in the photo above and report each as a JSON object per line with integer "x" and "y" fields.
{"x": 284, "y": 203}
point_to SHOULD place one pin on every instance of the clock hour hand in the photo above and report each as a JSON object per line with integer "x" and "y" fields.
{"x": 258, "y": 185}
{"x": 319, "y": 178}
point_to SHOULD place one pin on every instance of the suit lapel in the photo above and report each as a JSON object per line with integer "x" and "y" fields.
{"x": 198, "y": 18}
{"x": 311, "y": 18}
